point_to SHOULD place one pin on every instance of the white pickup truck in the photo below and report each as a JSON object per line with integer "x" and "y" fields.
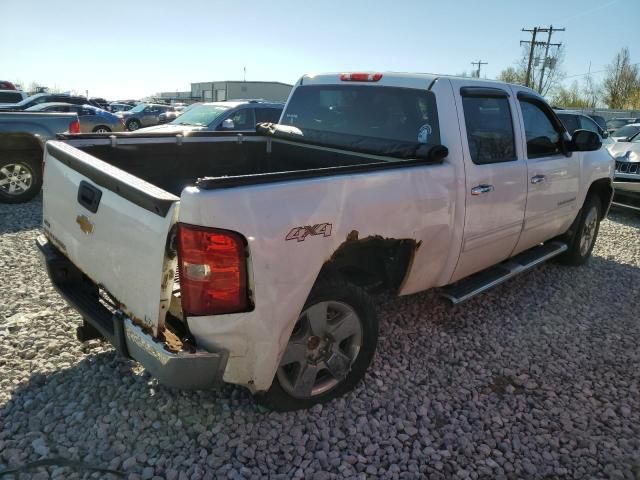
{"x": 251, "y": 259}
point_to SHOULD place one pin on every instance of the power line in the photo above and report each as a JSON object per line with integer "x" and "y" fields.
{"x": 546, "y": 53}
{"x": 533, "y": 43}
{"x": 597, "y": 71}
{"x": 479, "y": 63}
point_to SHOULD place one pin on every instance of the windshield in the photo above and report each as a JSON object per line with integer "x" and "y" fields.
{"x": 627, "y": 131}
{"x": 200, "y": 115}
{"x": 138, "y": 108}
{"x": 390, "y": 113}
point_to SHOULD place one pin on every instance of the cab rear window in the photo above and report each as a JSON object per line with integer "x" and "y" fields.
{"x": 398, "y": 114}
{"x": 10, "y": 97}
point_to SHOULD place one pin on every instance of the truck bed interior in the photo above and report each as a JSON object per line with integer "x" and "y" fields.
{"x": 172, "y": 167}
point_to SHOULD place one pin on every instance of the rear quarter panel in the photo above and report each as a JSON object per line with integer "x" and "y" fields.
{"x": 408, "y": 203}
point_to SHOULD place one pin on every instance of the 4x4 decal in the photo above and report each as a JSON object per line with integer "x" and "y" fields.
{"x": 300, "y": 233}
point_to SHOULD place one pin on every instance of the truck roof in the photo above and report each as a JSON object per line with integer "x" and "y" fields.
{"x": 394, "y": 79}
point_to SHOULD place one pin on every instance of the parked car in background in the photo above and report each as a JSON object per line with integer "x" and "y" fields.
{"x": 46, "y": 98}
{"x": 616, "y": 123}
{"x": 9, "y": 97}
{"x": 238, "y": 116}
{"x": 7, "y": 85}
{"x": 602, "y": 123}
{"x": 143, "y": 115}
{"x": 22, "y": 139}
{"x": 100, "y": 103}
{"x": 624, "y": 134}
{"x": 167, "y": 117}
{"x": 115, "y": 107}
{"x": 92, "y": 119}
{"x": 626, "y": 181}
{"x": 573, "y": 121}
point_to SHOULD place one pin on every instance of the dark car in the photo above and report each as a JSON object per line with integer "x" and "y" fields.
{"x": 99, "y": 102}
{"x": 573, "y": 121}
{"x": 6, "y": 85}
{"x": 47, "y": 98}
{"x": 602, "y": 123}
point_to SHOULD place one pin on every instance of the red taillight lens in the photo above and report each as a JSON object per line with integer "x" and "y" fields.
{"x": 360, "y": 77}
{"x": 74, "y": 127}
{"x": 213, "y": 270}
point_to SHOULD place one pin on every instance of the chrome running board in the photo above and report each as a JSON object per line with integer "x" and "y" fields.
{"x": 482, "y": 281}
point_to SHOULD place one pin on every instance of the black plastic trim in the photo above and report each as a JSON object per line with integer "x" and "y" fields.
{"x": 132, "y": 188}
{"x": 483, "y": 92}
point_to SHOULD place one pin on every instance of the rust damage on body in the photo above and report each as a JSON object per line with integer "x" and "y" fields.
{"x": 374, "y": 262}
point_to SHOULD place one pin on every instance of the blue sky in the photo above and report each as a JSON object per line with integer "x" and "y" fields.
{"x": 134, "y": 48}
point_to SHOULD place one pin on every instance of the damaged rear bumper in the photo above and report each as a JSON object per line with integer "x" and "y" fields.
{"x": 185, "y": 370}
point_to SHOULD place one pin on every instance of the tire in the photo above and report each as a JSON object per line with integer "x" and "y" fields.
{"x": 583, "y": 240}
{"x": 20, "y": 178}
{"x": 101, "y": 129}
{"x": 351, "y": 317}
{"x": 133, "y": 125}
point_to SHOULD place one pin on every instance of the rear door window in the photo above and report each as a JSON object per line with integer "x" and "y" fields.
{"x": 489, "y": 129}
{"x": 393, "y": 113}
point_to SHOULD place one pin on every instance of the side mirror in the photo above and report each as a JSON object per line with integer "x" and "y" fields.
{"x": 584, "y": 141}
{"x": 228, "y": 124}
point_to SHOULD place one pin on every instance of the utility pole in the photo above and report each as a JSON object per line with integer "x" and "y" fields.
{"x": 479, "y": 63}
{"x": 550, "y": 30}
{"x": 534, "y": 32}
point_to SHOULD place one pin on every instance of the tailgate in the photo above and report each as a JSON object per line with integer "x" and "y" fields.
{"x": 112, "y": 226}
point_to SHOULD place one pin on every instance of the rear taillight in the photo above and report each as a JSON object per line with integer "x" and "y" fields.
{"x": 213, "y": 270}
{"x": 360, "y": 77}
{"x": 74, "y": 127}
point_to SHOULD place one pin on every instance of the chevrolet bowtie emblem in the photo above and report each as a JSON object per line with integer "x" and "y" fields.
{"x": 85, "y": 224}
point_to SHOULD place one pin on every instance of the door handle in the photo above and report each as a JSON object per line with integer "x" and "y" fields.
{"x": 480, "y": 189}
{"x": 538, "y": 179}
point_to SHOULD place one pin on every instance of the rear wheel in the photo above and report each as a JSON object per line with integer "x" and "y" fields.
{"x": 584, "y": 236}
{"x": 101, "y": 129}
{"x": 20, "y": 179}
{"x": 330, "y": 348}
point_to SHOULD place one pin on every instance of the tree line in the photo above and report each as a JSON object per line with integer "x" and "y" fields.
{"x": 620, "y": 88}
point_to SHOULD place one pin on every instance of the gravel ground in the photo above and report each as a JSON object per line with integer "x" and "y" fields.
{"x": 538, "y": 378}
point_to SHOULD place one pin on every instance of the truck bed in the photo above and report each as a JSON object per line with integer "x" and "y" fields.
{"x": 221, "y": 160}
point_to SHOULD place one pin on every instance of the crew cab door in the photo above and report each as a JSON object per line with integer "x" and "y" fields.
{"x": 553, "y": 176}
{"x": 495, "y": 177}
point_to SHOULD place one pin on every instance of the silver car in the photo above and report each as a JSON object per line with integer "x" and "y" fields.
{"x": 92, "y": 119}
{"x": 144, "y": 115}
{"x": 230, "y": 116}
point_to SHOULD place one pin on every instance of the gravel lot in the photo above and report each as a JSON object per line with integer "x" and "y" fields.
{"x": 538, "y": 378}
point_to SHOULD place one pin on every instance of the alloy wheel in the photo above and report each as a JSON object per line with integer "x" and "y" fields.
{"x": 15, "y": 178}
{"x": 324, "y": 344}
